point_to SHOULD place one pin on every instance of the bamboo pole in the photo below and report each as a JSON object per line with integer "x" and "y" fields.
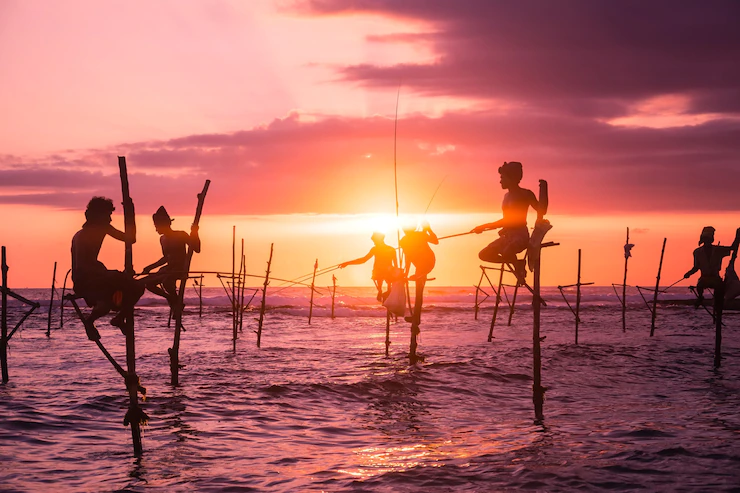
{"x": 387, "y": 331}
{"x": 51, "y": 300}
{"x": 657, "y": 287}
{"x": 416, "y": 321}
{"x": 135, "y": 415}
{"x": 513, "y": 304}
{"x": 624, "y": 284}
{"x": 264, "y": 296}
{"x": 233, "y": 286}
{"x": 242, "y": 283}
{"x": 313, "y": 281}
{"x": 200, "y": 296}
{"x": 333, "y": 293}
{"x": 4, "y": 322}
{"x": 175, "y": 350}
{"x": 538, "y": 391}
{"x": 477, "y": 290}
{"x": 578, "y": 294}
{"x": 498, "y": 302}
{"x": 61, "y": 301}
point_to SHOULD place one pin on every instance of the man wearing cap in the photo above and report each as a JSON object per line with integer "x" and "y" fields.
{"x": 514, "y": 235}
{"x": 708, "y": 260}
{"x": 385, "y": 261}
{"x": 174, "y": 259}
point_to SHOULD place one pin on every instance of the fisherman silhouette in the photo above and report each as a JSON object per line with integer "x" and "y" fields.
{"x": 103, "y": 289}
{"x": 416, "y": 249}
{"x": 514, "y": 235}
{"x": 708, "y": 261}
{"x": 174, "y": 257}
{"x": 385, "y": 261}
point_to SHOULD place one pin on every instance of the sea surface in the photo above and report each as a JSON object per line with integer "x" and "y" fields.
{"x": 320, "y": 407}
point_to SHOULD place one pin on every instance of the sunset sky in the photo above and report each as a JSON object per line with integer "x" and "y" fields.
{"x": 630, "y": 110}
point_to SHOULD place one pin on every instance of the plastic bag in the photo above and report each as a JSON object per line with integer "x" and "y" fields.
{"x": 396, "y": 301}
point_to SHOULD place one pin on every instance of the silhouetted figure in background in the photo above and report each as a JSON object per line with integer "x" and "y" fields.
{"x": 385, "y": 261}
{"x": 416, "y": 249}
{"x": 174, "y": 257}
{"x": 514, "y": 235}
{"x": 707, "y": 260}
{"x": 103, "y": 289}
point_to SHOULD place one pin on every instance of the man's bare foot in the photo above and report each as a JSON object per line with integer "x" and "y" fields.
{"x": 91, "y": 331}
{"x": 120, "y": 322}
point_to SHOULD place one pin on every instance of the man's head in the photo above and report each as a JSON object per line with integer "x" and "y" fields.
{"x": 378, "y": 238}
{"x": 99, "y": 210}
{"x": 707, "y": 235}
{"x": 161, "y": 219}
{"x": 511, "y": 174}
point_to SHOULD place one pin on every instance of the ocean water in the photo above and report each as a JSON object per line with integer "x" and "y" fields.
{"x": 321, "y": 408}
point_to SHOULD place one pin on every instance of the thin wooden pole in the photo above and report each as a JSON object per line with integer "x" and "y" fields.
{"x": 387, "y": 331}
{"x": 242, "y": 283}
{"x": 624, "y": 283}
{"x": 313, "y": 281}
{"x": 233, "y": 284}
{"x": 416, "y": 321}
{"x": 719, "y": 305}
{"x": 513, "y": 304}
{"x": 264, "y": 295}
{"x": 578, "y": 294}
{"x": 51, "y": 300}
{"x": 498, "y": 302}
{"x": 134, "y": 416}
{"x": 657, "y": 287}
{"x": 538, "y": 391}
{"x": 4, "y": 322}
{"x": 61, "y": 301}
{"x": 333, "y": 293}
{"x": 200, "y": 296}
{"x": 477, "y": 290}
{"x": 175, "y": 350}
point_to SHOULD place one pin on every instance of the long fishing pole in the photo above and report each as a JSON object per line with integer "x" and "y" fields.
{"x": 395, "y": 168}
{"x": 669, "y": 287}
{"x": 434, "y": 195}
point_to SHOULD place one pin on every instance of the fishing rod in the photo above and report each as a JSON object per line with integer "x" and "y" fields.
{"x": 435, "y": 194}
{"x": 669, "y": 287}
{"x": 455, "y": 235}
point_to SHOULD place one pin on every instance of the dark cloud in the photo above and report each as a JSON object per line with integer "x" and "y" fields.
{"x": 587, "y": 57}
{"x": 346, "y": 165}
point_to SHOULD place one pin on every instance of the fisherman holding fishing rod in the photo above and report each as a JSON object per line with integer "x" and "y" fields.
{"x": 513, "y": 234}
{"x": 708, "y": 261}
{"x": 384, "y": 265}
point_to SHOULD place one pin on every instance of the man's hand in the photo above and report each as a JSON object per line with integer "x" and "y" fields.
{"x": 193, "y": 229}
{"x": 343, "y": 265}
{"x": 146, "y": 270}
{"x": 687, "y": 275}
{"x": 479, "y": 229}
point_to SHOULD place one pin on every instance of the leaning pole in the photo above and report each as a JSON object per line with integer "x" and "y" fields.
{"x": 135, "y": 415}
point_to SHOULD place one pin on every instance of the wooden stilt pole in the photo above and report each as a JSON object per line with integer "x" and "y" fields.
{"x": 387, "y": 331}
{"x": 200, "y": 295}
{"x": 416, "y": 321}
{"x": 477, "y": 290}
{"x": 498, "y": 302}
{"x": 578, "y": 294}
{"x": 313, "y": 281}
{"x": 242, "y": 284}
{"x": 624, "y": 283}
{"x": 4, "y": 322}
{"x": 175, "y": 350}
{"x": 233, "y": 285}
{"x": 538, "y": 391}
{"x": 51, "y": 300}
{"x": 513, "y": 304}
{"x": 135, "y": 415}
{"x": 264, "y": 296}
{"x": 719, "y": 304}
{"x": 657, "y": 287}
{"x": 333, "y": 293}
{"x": 61, "y": 301}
